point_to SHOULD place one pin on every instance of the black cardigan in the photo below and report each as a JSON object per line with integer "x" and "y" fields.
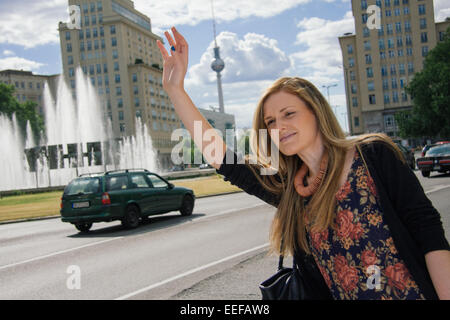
{"x": 414, "y": 223}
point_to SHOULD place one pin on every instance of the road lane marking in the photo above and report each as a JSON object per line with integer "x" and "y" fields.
{"x": 437, "y": 189}
{"x": 158, "y": 284}
{"x": 57, "y": 253}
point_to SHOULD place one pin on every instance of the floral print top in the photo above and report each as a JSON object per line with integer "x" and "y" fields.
{"x": 358, "y": 258}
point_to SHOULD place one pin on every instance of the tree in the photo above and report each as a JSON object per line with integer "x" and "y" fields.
{"x": 26, "y": 111}
{"x": 430, "y": 91}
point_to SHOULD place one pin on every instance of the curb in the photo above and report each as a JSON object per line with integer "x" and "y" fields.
{"x": 59, "y": 216}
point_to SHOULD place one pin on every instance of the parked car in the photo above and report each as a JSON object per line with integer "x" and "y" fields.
{"x": 409, "y": 156}
{"x": 126, "y": 195}
{"x": 428, "y": 146}
{"x": 437, "y": 158}
{"x": 205, "y": 166}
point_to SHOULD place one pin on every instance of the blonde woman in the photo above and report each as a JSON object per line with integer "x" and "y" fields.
{"x": 353, "y": 205}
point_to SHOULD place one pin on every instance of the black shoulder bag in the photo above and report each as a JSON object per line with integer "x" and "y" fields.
{"x": 301, "y": 282}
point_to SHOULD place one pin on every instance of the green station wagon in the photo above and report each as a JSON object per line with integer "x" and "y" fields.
{"x": 126, "y": 195}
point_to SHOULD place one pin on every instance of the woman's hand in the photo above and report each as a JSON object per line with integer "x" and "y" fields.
{"x": 175, "y": 64}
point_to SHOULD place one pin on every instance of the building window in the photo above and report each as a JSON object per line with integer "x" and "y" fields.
{"x": 372, "y": 99}
{"x": 136, "y": 102}
{"x": 422, "y": 9}
{"x": 367, "y": 45}
{"x": 69, "y": 47}
{"x": 99, "y": 6}
{"x": 94, "y": 20}
{"x": 406, "y": 11}
{"x": 423, "y": 37}
{"x": 356, "y": 121}
{"x": 122, "y": 127}
{"x": 99, "y": 68}
{"x": 388, "y": 13}
{"x": 381, "y": 44}
{"x": 409, "y": 51}
{"x": 410, "y": 67}
{"x": 401, "y": 68}
{"x": 381, "y": 31}
{"x": 117, "y": 78}
{"x": 114, "y": 42}
{"x": 366, "y": 32}
{"x": 423, "y": 23}
{"x": 135, "y": 89}
{"x": 398, "y": 27}
{"x": 118, "y": 91}
{"x": 370, "y": 86}
{"x": 441, "y": 35}
{"x": 364, "y": 18}
{"x": 393, "y": 69}
{"x": 349, "y": 49}
{"x": 394, "y": 83}
{"x": 407, "y": 26}
{"x": 70, "y": 60}
{"x": 395, "y": 96}
{"x": 385, "y": 84}
{"x": 382, "y": 55}
{"x": 112, "y": 29}
{"x": 369, "y": 72}
{"x": 352, "y": 75}
{"x": 351, "y": 62}
{"x": 354, "y": 101}
{"x": 120, "y": 115}
{"x": 363, "y": 4}
{"x": 389, "y": 121}
{"x": 389, "y": 28}
{"x": 134, "y": 77}
{"x": 390, "y": 43}
{"x": 386, "y": 98}
{"x": 408, "y": 40}
{"x": 402, "y": 83}
{"x": 424, "y": 51}
{"x": 399, "y": 41}
{"x": 368, "y": 59}
{"x": 353, "y": 88}
{"x": 116, "y": 66}
{"x": 68, "y": 35}
{"x": 384, "y": 71}
{"x": 115, "y": 54}
{"x": 400, "y": 52}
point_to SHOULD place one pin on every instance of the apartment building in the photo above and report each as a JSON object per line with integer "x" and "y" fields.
{"x": 379, "y": 62}
{"x": 29, "y": 86}
{"x": 116, "y": 49}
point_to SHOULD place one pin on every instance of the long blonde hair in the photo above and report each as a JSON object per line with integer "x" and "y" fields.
{"x": 289, "y": 223}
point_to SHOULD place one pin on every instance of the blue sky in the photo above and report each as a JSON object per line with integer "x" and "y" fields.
{"x": 260, "y": 40}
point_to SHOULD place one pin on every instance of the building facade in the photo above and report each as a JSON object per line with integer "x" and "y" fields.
{"x": 29, "y": 86}
{"x": 379, "y": 62}
{"x": 116, "y": 49}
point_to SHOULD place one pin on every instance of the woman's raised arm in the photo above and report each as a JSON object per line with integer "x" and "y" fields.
{"x": 174, "y": 71}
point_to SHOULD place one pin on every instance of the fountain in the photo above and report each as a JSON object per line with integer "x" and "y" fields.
{"x": 78, "y": 140}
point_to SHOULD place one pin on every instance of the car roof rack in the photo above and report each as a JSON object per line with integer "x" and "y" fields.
{"x": 126, "y": 171}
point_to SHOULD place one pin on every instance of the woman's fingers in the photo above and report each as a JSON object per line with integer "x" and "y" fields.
{"x": 163, "y": 50}
{"x": 170, "y": 39}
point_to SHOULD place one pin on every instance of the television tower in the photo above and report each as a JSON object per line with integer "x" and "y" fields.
{"x": 218, "y": 64}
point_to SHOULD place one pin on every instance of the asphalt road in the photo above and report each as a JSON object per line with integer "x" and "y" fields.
{"x": 217, "y": 253}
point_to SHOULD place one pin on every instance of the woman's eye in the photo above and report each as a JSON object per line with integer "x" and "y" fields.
{"x": 269, "y": 122}
{"x": 289, "y": 113}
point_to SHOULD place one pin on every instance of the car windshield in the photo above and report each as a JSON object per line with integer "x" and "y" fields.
{"x": 83, "y": 186}
{"x": 439, "y": 150}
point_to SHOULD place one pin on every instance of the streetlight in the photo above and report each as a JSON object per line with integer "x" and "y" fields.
{"x": 328, "y": 90}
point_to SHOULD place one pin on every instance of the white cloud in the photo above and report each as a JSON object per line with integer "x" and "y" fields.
{"x": 18, "y": 63}
{"x": 441, "y": 10}
{"x": 321, "y": 59}
{"x": 253, "y": 57}
{"x": 31, "y": 23}
{"x": 167, "y": 13}
{"x": 8, "y": 53}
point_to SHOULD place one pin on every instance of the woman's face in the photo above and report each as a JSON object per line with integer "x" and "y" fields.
{"x": 297, "y": 125}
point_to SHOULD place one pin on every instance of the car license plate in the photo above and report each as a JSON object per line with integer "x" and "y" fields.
{"x": 437, "y": 167}
{"x": 78, "y": 205}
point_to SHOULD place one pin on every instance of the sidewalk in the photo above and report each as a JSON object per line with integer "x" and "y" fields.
{"x": 240, "y": 282}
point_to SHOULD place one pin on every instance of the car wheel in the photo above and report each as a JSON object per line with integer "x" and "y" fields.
{"x": 131, "y": 217}
{"x": 187, "y": 206}
{"x": 426, "y": 174}
{"x": 83, "y": 226}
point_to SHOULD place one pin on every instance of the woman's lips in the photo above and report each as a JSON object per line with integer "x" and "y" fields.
{"x": 287, "y": 137}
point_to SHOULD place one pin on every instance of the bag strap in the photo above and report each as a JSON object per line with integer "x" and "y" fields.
{"x": 362, "y": 156}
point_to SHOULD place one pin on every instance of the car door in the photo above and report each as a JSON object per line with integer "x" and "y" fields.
{"x": 161, "y": 187}
{"x": 143, "y": 192}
